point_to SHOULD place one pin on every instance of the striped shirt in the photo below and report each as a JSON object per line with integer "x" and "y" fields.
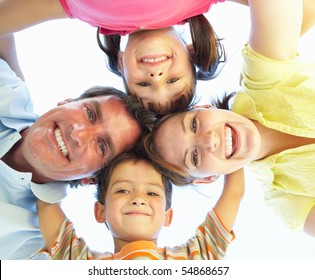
{"x": 209, "y": 243}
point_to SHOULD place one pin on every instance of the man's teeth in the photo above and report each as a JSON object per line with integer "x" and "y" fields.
{"x": 60, "y": 143}
{"x": 154, "y": 60}
{"x": 228, "y": 142}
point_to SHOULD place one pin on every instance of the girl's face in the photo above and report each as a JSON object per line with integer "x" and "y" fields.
{"x": 156, "y": 67}
{"x": 206, "y": 142}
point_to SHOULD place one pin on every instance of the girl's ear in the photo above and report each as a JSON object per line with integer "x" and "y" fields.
{"x": 120, "y": 62}
{"x": 190, "y": 49}
{"x": 168, "y": 217}
{"x": 206, "y": 180}
{"x": 99, "y": 212}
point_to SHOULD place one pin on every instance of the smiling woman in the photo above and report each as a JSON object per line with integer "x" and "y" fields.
{"x": 256, "y": 225}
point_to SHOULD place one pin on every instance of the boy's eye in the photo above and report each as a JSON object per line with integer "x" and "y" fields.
{"x": 194, "y": 125}
{"x": 174, "y": 80}
{"x": 194, "y": 158}
{"x": 143, "y": 84}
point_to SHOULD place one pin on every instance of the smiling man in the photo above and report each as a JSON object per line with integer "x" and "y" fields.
{"x": 40, "y": 155}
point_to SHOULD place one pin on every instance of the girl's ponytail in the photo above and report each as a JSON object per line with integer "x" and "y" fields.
{"x": 111, "y": 48}
{"x": 208, "y": 52}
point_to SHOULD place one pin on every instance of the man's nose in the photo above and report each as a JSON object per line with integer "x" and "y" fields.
{"x": 81, "y": 133}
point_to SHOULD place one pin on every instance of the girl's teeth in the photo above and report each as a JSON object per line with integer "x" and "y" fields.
{"x": 61, "y": 143}
{"x": 228, "y": 142}
{"x": 154, "y": 60}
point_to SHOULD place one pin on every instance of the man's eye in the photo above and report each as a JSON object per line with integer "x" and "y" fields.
{"x": 194, "y": 125}
{"x": 143, "y": 84}
{"x": 90, "y": 114}
{"x": 102, "y": 147}
{"x": 174, "y": 80}
{"x": 194, "y": 158}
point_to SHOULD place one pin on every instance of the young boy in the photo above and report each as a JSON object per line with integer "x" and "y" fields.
{"x": 134, "y": 200}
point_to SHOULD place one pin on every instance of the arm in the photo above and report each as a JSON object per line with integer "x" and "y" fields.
{"x": 8, "y": 53}
{"x": 309, "y": 226}
{"x": 308, "y": 13}
{"x": 16, "y": 15}
{"x": 50, "y": 218}
{"x": 228, "y": 204}
{"x": 275, "y": 27}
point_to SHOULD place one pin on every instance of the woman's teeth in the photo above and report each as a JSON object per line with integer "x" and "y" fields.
{"x": 61, "y": 143}
{"x": 228, "y": 142}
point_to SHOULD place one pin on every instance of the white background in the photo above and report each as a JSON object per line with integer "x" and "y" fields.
{"x": 60, "y": 59}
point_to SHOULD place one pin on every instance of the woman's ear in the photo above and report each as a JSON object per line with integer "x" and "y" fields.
{"x": 120, "y": 62}
{"x": 190, "y": 49}
{"x": 99, "y": 212}
{"x": 205, "y": 106}
{"x": 206, "y": 180}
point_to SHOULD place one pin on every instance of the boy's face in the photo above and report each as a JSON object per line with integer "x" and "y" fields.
{"x": 135, "y": 202}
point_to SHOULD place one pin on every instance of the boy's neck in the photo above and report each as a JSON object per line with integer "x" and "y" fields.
{"x": 120, "y": 244}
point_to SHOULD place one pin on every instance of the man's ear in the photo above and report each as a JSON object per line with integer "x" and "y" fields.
{"x": 88, "y": 181}
{"x": 168, "y": 217}
{"x": 120, "y": 63}
{"x": 206, "y": 180}
{"x": 99, "y": 212}
{"x": 60, "y": 103}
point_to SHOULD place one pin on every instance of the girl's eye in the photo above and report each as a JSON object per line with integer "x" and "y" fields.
{"x": 194, "y": 125}
{"x": 174, "y": 80}
{"x": 122, "y": 191}
{"x": 90, "y": 114}
{"x": 102, "y": 147}
{"x": 143, "y": 84}
{"x": 152, "y": 194}
{"x": 194, "y": 158}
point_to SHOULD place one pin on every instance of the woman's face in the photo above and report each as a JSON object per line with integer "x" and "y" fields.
{"x": 156, "y": 67}
{"x": 206, "y": 142}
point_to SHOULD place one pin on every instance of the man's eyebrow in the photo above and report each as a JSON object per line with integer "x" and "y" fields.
{"x": 111, "y": 149}
{"x": 98, "y": 109}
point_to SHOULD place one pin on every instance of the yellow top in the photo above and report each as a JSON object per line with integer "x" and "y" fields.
{"x": 281, "y": 95}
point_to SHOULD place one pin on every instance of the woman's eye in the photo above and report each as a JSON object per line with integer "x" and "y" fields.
{"x": 143, "y": 84}
{"x": 194, "y": 125}
{"x": 102, "y": 147}
{"x": 174, "y": 80}
{"x": 194, "y": 158}
{"x": 90, "y": 115}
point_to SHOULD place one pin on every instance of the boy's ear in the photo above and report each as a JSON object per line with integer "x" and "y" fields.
{"x": 99, "y": 212}
{"x": 206, "y": 180}
{"x": 168, "y": 217}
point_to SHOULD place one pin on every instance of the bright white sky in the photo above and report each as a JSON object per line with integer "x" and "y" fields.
{"x": 60, "y": 59}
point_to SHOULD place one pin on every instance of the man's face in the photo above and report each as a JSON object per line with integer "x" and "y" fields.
{"x": 76, "y": 139}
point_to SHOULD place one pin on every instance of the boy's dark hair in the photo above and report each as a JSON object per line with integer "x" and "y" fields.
{"x": 145, "y": 118}
{"x": 102, "y": 180}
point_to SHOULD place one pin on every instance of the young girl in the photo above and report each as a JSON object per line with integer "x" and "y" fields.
{"x": 134, "y": 201}
{"x": 162, "y": 74}
{"x": 272, "y": 123}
